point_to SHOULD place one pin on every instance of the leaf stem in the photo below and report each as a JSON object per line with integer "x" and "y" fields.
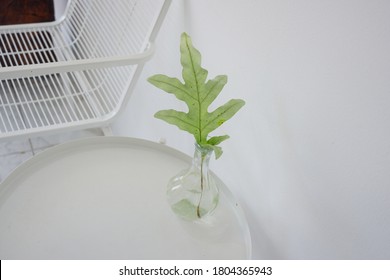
{"x": 201, "y": 186}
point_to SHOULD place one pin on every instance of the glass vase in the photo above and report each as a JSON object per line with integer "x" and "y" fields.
{"x": 193, "y": 193}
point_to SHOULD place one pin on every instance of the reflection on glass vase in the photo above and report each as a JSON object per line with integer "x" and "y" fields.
{"x": 193, "y": 193}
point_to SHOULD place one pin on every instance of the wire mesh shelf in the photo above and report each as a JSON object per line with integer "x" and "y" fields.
{"x": 77, "y": 72}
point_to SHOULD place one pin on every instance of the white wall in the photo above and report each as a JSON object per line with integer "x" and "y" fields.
{"x": 309, "y": 155}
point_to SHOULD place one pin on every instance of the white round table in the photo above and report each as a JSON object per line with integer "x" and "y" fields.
{"x": 104, "y": 198}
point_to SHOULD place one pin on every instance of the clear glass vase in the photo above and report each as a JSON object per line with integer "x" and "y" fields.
{"x": 193, "y": 193}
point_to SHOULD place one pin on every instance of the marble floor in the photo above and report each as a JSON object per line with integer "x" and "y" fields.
{"x": 13, "y": 153}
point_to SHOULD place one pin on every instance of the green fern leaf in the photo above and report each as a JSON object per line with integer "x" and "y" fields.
{"x": 198, "y": 94}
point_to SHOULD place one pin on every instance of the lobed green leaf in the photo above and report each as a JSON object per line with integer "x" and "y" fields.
{"x": 198, "y": 94}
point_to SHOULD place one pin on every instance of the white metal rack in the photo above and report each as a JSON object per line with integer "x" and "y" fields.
{"x": 77, "y": 72}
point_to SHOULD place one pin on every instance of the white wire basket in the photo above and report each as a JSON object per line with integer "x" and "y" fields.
{"x": 77, "y": 72}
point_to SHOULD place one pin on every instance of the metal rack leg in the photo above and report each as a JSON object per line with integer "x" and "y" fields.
{"x": 107, "y": 131}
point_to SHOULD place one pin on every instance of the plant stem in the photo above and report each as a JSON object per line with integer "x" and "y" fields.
{"x": 201, "y": 186}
